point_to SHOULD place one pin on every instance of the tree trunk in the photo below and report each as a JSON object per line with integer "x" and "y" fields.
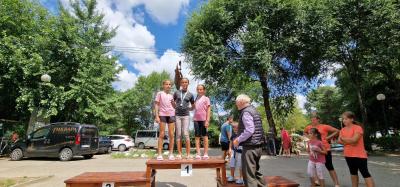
{"x": 267, "y": 105}
{"x": 356, "y": 80}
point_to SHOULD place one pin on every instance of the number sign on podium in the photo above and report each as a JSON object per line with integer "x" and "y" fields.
{"x": 186, "y": 170}
{"x": 107, "y": 184}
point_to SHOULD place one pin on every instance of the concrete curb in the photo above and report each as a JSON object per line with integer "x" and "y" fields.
{"x": 27, "y": 183}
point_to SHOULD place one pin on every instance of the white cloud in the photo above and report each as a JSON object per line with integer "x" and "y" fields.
{"x": 130, "y": 34}
{"x": 126, "y": 80}
{"x": 165, "y": 11}
{"x": 134, "y": 41}
{"x": 301, "y": 100}
{"x": 167, "y": 62}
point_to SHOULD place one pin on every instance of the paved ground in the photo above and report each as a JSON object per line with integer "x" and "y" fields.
{"x": 385, "y": 170}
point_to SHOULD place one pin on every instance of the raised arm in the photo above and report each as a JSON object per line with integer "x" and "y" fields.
{"x": 334, "y": 132}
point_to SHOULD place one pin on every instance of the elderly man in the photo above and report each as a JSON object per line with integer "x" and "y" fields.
{"x": 251, "y": 138}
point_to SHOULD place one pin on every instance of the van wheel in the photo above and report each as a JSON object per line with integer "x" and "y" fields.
{"x": 16, "y": 154}
{"x": 165, "y": 146}
{"x": 87, "y": 156}
{"x": 122, "y": 147}
{"x": 66, "y": 154}
{"x": 141, "y": 145}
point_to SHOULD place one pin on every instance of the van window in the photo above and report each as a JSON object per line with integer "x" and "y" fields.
{"x": 41, "y": 133}
{"x": 86, "y": 131}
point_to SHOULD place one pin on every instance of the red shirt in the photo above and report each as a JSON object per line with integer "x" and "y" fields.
{"x": 314, "y": 155}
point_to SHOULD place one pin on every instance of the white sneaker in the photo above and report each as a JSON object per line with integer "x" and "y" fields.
{"x": 230, "y": 179}
{"x": 239, "y": 181}
{"x": 160, "y": 157}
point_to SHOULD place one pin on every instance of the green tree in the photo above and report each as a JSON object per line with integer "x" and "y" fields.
{"x": 136, "y": 105}
{"x": 70, "y": 47}
{"x": 25, "y": 29}
{"x": 269, "y": 42}
{"x": 79, "y": 61}
{"x": 364, "y": 38}
{"x": 328, "y": 103}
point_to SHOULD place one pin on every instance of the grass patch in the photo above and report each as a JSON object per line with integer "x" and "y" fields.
{"x": 135, "y": 153}
{"x": 7, "y": 182}
{"x": 145, "y": 153}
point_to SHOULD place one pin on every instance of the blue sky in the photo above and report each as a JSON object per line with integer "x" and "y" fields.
{"x": 148, "y": 36}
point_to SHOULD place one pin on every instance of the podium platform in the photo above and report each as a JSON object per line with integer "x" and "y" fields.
{"x": 116, "y": 179}
{"x": 213, "y": 162}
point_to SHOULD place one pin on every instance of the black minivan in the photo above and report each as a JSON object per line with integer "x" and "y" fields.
{"x": 63, "y": 140}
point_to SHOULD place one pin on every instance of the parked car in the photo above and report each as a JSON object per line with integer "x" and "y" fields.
{"x": 149, "y": 138}
{"x": 63, "y": 140}
{"x": 105, "y": 145}
{"x": 121, "y": 142}
{"x": 336, "y": 147}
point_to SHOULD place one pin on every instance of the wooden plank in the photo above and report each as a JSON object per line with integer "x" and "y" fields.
{"x": 99, "y": 177}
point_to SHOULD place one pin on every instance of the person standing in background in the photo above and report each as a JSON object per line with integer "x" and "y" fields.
{"x": 226, "y": 133}
{"x": 286, "y": 142}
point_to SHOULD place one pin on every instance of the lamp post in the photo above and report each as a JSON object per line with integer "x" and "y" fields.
{"x": 37, "y": 119}
{"x": 45, "y": 78}
{"x": 381, "y": 97}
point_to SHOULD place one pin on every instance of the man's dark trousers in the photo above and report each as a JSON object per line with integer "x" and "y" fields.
{"x": 251, "y": 165}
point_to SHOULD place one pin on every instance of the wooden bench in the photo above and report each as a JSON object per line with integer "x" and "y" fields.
{"x": 214, "y": 162}
{"x": 96, "y": 179}
{"x": 272, "y": 181}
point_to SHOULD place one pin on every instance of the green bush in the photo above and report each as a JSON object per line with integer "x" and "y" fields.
{"x": 389, "y": 143}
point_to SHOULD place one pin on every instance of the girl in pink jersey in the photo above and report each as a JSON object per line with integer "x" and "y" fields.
{"x": 316, "y": 161}
{"x": 165, "y": 114}
{"x": 201, "y": 120}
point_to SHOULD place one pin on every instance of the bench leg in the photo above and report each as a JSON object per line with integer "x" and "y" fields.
{"x": 218, "y": 173}
{"x": 149, "y": 176}
{"x": 223, "y": 177}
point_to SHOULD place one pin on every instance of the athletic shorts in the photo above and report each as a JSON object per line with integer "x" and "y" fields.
{"x": 315, "y": 169}
{"x": 199, "y": 129}
{"x": 225, "y": 146}
{"x": 167, "y": 119}
{"x": 358, "y": 164}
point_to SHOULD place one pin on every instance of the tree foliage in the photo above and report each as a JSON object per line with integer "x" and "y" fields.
{"x": 328, "y": 102}
{"x": 273, "y": 44}
{"x": 69, "y": 47}
{"x": 364, "y": 39}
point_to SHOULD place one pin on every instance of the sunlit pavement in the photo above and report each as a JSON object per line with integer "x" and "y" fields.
{"x": 385, "y": 170}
